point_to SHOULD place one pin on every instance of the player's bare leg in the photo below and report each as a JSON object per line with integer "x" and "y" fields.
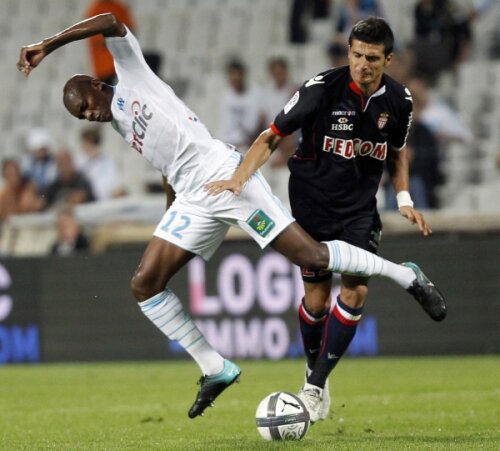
{"x": 160, "y": 262}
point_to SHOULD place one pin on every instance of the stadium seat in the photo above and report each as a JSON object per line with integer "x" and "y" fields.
{"x": 195, "y": 38}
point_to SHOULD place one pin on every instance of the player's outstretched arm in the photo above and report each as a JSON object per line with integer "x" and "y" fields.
{"x": 105, "y": 24}
{"x": 257, "y": 155}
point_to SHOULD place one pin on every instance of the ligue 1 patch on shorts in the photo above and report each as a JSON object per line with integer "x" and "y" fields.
{"x": 261, "y": 223}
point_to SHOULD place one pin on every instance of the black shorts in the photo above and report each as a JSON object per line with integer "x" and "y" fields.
{"x": 364, "y": 232}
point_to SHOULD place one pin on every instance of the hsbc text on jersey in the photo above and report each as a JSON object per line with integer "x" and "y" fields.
{"x": 329, "y": 176}
{"x": 342, "y": 127}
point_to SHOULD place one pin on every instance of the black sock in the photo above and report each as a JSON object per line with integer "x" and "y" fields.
{"x": 311, "y": 329}
{"x": 338, "y": 333}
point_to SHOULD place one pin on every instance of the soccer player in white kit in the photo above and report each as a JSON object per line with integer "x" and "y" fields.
{"x": 158, "y": 125}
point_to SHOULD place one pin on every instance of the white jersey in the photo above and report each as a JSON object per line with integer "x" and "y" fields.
{"x": 156, "y": 123}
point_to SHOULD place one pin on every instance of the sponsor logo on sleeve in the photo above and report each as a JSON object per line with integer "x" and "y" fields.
{"x": 292, "y": 102}
{"x": 318, "y": 80}
{"x": 408, "y": 95}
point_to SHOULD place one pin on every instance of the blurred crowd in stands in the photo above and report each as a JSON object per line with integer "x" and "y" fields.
{"x": 47, "y": 178}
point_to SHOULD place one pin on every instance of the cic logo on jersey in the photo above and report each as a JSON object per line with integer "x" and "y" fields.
{"x": 140, "y": 124}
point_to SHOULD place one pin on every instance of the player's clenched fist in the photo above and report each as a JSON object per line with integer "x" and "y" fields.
{"x": 30, "y": 57}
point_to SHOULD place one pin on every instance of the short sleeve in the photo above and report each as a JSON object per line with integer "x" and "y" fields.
{"x": 127, "y": 54}
{"x": 302, "y": 104}
{"x": 398, "y": 138}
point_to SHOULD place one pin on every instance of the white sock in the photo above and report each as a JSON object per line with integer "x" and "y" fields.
{"x": 348, "y": 259}
{"x": 165, "y": 310}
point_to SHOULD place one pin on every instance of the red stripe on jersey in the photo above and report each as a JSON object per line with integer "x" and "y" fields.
{"x": 275, "y": 130}
{"x": 356, "y": 89}
{"x": 343, "y": 320}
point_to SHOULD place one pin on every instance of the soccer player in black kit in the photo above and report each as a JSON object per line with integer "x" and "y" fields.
{"x": 353, "y": 119}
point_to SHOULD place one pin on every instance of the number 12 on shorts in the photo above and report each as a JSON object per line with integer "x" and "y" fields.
{"x": 175, "y": 227}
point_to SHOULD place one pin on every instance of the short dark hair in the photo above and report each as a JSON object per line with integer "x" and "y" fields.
{"x": 235, "y": 64}
{"x": 373, "y": 30}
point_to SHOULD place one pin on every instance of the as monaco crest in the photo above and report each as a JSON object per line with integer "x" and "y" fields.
{"x": 382, "y": 120}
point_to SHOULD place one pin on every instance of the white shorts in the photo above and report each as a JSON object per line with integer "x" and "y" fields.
{"x": 198, "y": 222}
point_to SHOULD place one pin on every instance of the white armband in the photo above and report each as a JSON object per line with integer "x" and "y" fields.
{"x": 404, "y": 199}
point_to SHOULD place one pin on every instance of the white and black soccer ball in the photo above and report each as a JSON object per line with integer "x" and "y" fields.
{"x": 282, "y": 416}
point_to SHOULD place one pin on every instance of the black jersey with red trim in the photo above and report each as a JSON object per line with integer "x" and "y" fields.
{"x": 336, "y": 170}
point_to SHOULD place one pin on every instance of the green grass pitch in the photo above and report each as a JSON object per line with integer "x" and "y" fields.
{"x": 378, "y": 404}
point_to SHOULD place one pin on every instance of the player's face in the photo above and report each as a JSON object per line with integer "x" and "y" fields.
{"x": 367, "y": 63}
{"x": 91, "y": 103}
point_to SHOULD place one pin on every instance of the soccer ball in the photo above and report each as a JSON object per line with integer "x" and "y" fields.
{"x": 282, "y": 416}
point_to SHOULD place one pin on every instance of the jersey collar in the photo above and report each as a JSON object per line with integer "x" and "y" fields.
{"x": 364, "y": 103}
